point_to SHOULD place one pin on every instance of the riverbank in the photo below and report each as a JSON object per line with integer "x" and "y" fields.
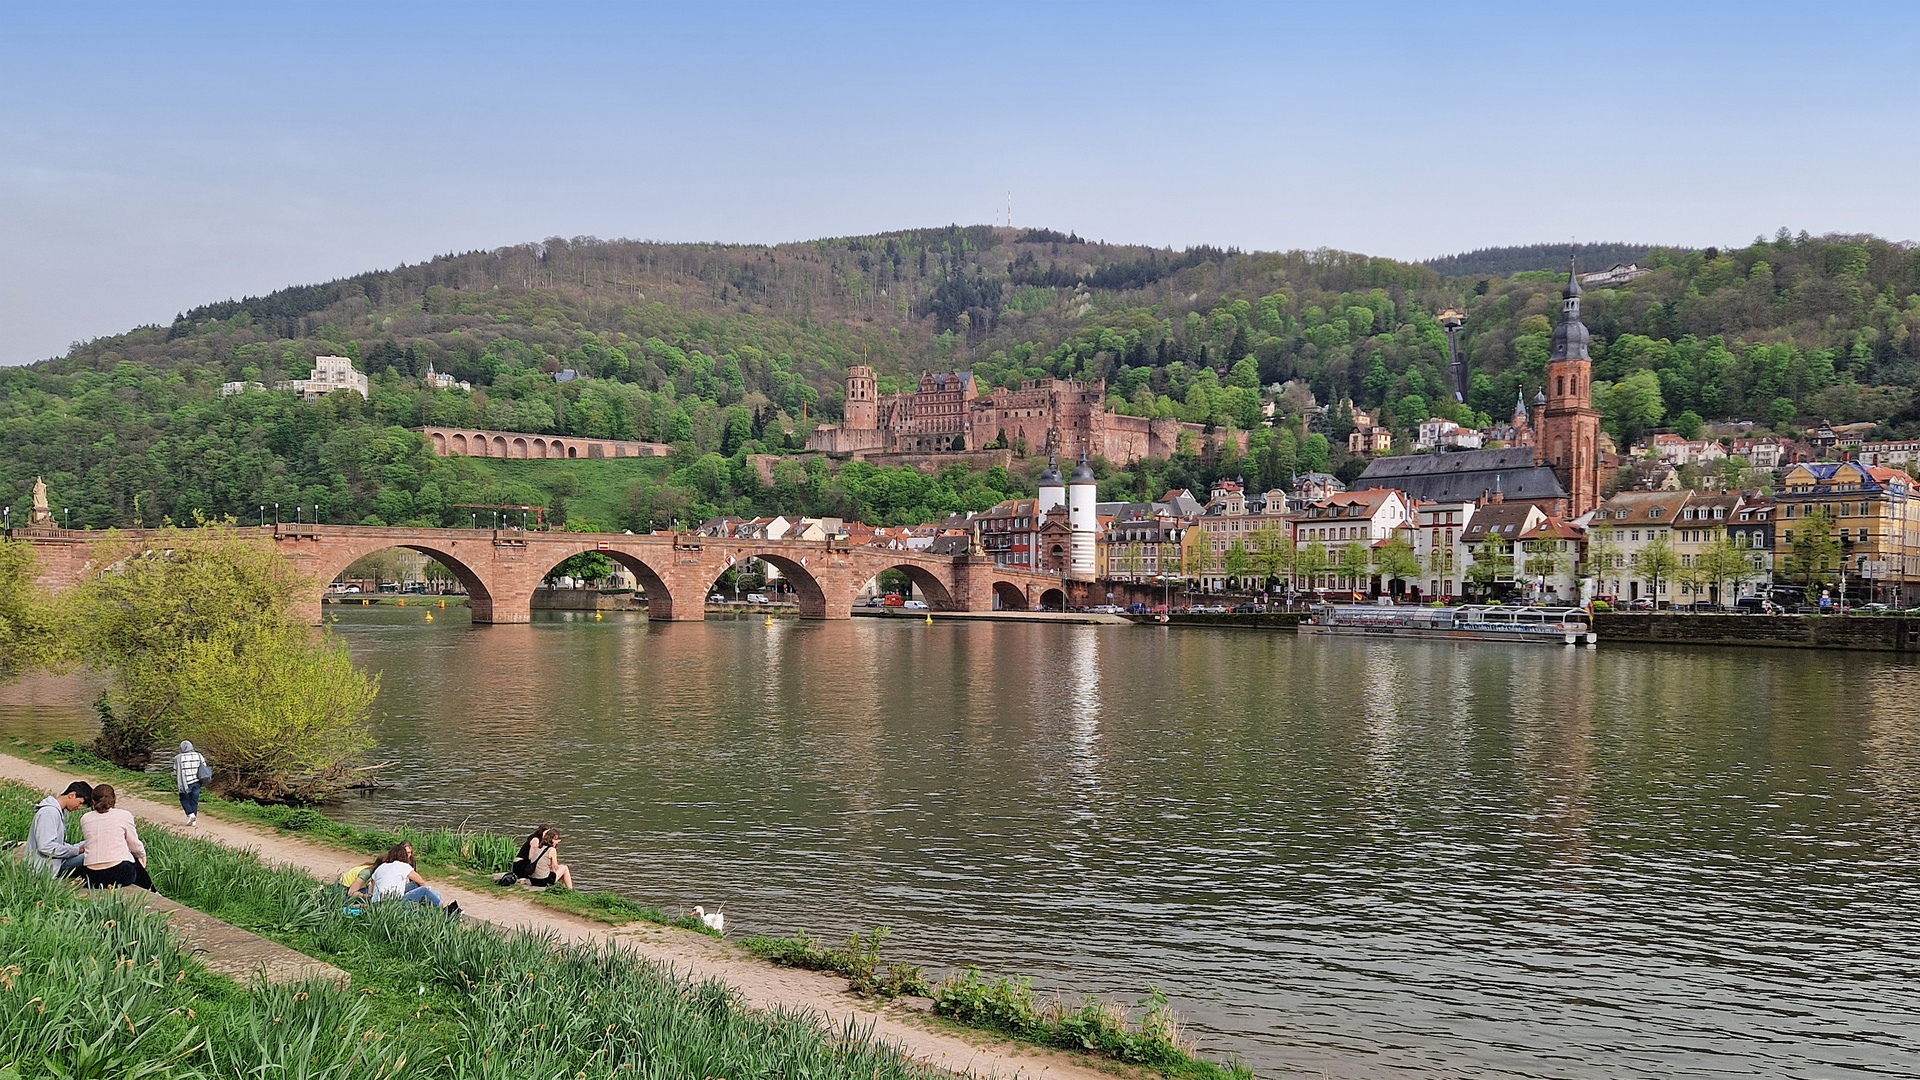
{"x": 760, "y": 985}
{"x": 921, "y": 615}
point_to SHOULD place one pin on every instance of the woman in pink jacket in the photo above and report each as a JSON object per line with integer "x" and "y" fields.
{"x": 115, "y": 855}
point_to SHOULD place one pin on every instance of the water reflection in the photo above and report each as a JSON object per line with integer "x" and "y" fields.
{"x": 1338, "y": 857}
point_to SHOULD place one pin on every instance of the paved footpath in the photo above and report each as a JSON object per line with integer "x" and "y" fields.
{"x": 760, "y": 984}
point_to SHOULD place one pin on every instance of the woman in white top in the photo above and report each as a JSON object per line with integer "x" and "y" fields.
{"x": 114, "y": 853}
{"x": 394, "y": 878}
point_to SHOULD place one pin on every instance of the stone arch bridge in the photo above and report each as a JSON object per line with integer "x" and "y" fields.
{"x": 501, "y": 568}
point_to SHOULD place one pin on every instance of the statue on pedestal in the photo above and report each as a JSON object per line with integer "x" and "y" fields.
{"x": 42, "y": 515}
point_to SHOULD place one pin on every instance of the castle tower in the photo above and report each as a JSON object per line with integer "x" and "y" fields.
{"x": 1568, "y": 434}
{"x": 1082, "y": 492}
{"x": 1053, "y": 490}
{"x": 863, "y": 405}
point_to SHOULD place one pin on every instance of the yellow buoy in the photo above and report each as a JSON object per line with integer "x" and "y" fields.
{"x": 364, "y": 601}
{"x": 929, "y": 618}
{"x": 443, "y": 605}
{"x": 429, "y": 616}
{"x": 769, "y": 620}
{"x": 596, "y": 616}
{"x": 403, "y": 601}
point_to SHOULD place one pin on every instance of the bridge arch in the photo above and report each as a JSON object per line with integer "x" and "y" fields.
{"x": 1053, "y": 600}
{"x": 660, "y": 599}
{"x": 1009, "y": 597}
{"x": 939, "y": 597}
{"x": 480, "y": 592}
{"x": 806, "y": 585}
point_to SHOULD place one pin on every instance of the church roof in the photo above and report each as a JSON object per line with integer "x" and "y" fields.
{"x": 1463, "y": 477}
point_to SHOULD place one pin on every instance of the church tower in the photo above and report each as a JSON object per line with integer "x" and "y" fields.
{"x": 1567, "y": 435}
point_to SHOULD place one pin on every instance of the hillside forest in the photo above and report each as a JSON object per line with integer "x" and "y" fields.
{"x": 730, "y": 350}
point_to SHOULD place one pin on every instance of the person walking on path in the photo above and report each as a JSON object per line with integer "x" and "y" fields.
{"x": 190, "y": 772}
{"x": 47, "y": 847}
{"x": 115, "y": 855}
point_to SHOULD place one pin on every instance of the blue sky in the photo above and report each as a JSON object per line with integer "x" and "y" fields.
{"x": 154, "y": 157}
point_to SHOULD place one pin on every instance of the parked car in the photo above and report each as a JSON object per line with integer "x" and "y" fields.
{"x": 758, "y": 598}
{"x": 914, "y": 605}
{"x": 1641, "y": 603}
{"x": 716, "y": 598}
{"x": 1874, "y": 609}
{"x": 1247, "y": 609}
{"x": 1751, "y": 605}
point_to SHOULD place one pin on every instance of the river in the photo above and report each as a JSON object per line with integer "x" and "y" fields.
{"x": 1336, "y": 857}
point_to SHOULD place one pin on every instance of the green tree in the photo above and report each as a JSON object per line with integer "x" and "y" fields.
{"x": 1814, "y": 554}
{"x": 1725, "y": 565}
{"x": 1633, "y": 405}
{"x": 1687, "y": 425}
{"x": 1356, "y": 565}
{"x": 1238, "y": 562}
{"x": 31, "y": 634}
{"x": 1780, "y": 414}
{"x": 1395, "y": 561}
{"x": 1492, "y": 563}
{"x": 1543, "y": 560}
{"x": 1656, "y": 562}
{"x": 1273, "y": 553}
{"x": 198, "y": 634}
{"x": 1309, "y": 562}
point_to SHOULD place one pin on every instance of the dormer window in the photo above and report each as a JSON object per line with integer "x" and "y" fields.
{"x": 1657, "y": 513}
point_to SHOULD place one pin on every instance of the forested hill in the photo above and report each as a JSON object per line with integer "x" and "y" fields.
{"x": 1507, "y": 261}
{"x": 725, "y": 350}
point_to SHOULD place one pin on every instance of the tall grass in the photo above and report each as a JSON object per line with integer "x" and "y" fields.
{"x": 432, "y": 996}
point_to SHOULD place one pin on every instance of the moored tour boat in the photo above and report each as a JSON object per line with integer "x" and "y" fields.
{"x": 1467, "y": 622}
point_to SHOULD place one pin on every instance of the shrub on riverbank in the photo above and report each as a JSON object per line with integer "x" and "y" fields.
{"x": 1095, "y": 1026}
{"x": 858, "y": 962}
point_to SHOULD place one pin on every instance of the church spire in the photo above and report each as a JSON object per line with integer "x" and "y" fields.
{"x": 1570, "y": 337}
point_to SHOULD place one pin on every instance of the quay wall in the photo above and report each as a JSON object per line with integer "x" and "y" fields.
{"x": 1873, "y": 633}
{"x": 587, "y": 600}
{"x": 1251, "y": 620}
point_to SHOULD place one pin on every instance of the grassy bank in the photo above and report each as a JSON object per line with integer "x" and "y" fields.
{"x": 1008, "y": 1006}
{"x": 286, "y": 905}
{"x": 476, "y": 858}
{"x": 97, "y": 988}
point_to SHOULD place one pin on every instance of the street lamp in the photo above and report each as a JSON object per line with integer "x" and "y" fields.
{"x": 263, "y": 515}
{"x": 276, "y": 515}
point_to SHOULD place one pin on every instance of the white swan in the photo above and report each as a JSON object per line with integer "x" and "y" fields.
{"x": 716, "y": 920}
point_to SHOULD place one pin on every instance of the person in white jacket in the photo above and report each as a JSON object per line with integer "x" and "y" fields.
{"x": 47, "y": 847}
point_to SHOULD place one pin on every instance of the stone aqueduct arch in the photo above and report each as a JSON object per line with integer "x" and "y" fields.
{"x": 479, "y": 444}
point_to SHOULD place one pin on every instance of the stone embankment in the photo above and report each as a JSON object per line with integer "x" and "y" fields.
{"x": 1872, "y": 633}
{"x": 1868, "y": 633}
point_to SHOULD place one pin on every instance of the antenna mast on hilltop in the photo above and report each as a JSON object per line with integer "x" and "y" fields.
{"x": 1009, "y": 208}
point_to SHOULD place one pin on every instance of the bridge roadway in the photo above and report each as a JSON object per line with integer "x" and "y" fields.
{"x": 501, "y": 568}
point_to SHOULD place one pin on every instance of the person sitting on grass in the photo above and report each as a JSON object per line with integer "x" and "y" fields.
{"x": 394, "y": 878}
{"x": 538, "y": 863}
{"x": 114, "y": 856}
{"x": 47, "y": 847}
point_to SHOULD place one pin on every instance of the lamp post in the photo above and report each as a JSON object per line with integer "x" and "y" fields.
{"x": 276, "y": 515}
{"x": 263, "y": 515}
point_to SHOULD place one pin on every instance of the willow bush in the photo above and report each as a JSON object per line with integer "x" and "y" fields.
{"x": 198, "y": 632}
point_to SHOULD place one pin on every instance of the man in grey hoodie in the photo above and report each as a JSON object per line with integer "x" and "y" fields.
{"x": 187, "y": 766}
{"x": 47, "y": 847}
